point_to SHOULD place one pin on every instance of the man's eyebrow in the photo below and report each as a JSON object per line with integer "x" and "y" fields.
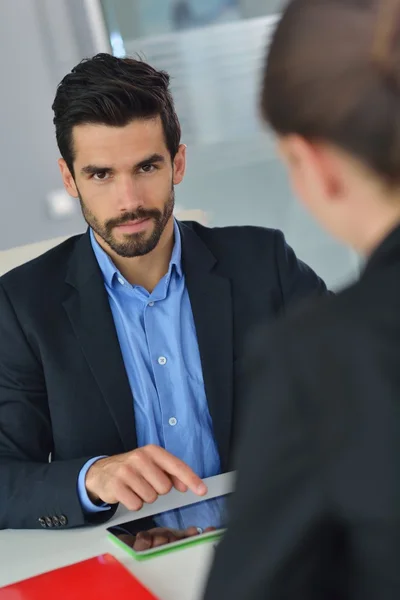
{"x": 92, "y": 169}
{"x": 150, "y": 160}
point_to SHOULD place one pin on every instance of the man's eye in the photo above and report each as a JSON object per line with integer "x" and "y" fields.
{"x": 148, "y": 168}
{"x": 101, "y": 176}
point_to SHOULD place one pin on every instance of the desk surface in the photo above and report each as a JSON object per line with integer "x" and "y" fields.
{"x": 180, "y": 574}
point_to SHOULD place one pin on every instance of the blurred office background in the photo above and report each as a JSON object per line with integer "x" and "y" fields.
{"x": 213, "y": 50}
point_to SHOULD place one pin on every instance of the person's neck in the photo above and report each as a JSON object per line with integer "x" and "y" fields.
{"x": 376, "y": 228}
{"x": 145, "y": 271}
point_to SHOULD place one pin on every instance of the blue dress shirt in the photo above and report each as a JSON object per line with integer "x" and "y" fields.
{"x": 159, "y": 346}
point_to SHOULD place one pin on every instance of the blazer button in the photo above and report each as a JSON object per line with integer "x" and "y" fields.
{"x": 49, "y": 522}
{"x": 56, "y": 522}
{"x": 42, "y": 522}
{"x": 63, "y": 520}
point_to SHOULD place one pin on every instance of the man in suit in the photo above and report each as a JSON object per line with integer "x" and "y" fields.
{"x": 119, "y": 348}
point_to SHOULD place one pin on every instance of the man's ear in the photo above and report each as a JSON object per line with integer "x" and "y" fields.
{"x": 68, "y": 179}
{"x": 179, "y": 164}
{"x": 313, "y": 164}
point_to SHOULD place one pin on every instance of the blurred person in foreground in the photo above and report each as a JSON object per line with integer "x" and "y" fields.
{"x": 316, "y": 514}
{"x": 119, "y": 348}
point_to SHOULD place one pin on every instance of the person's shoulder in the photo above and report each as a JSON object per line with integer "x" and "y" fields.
{"x": 319, "y": 327}
{"x": 237, "y": 240}
{"x": 229, "y": 233}
{"x": 50, "y": 266}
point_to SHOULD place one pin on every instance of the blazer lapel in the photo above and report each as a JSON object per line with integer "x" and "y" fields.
{"x": 91, "y": 318}
{"x": 211, "y": 301}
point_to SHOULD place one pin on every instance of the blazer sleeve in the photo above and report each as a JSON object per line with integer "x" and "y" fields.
{"x": 297, "y": 281}
{"x": 34, "y": 492}
{"x": 276, "y": 525}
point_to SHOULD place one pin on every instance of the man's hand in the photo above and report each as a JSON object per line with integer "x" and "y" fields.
{"x": 159, "y": 536}
{"x": 140, "y": 476}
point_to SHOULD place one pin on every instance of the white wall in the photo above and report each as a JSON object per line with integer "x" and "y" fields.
{"x": 40, "y": 41}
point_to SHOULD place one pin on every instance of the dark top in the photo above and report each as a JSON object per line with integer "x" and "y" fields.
{"x": 316, "y": 514}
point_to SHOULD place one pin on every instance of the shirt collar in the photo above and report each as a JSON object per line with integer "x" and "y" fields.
{"x": 110, "y": 271}
{"x": 176, "y": 256}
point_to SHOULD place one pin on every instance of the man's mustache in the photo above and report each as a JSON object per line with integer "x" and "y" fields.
{"x": 133, "y": 216}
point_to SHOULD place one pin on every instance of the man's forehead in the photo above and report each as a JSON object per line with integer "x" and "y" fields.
{"x": 137, "y": 138}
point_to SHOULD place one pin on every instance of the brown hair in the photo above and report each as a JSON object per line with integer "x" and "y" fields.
{"x": 333, "y": 74}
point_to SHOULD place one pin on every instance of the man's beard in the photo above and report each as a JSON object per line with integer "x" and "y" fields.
{"x": 134, "y": 244}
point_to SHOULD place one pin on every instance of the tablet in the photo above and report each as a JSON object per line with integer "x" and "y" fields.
{"x": 164, "y": 532}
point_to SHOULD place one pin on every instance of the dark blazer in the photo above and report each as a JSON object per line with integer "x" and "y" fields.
{"x": 63, "y": 386}
{"x": 316, "y": 514}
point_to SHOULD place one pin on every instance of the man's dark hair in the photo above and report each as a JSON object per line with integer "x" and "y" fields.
{"x": 333, "y": 74}
{"x": 113, "y": 91}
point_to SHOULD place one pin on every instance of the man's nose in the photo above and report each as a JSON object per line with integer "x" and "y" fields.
{"x": 128, "y": 195}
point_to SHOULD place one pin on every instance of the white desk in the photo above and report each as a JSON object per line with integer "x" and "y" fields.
{"x": 177, "y": 576}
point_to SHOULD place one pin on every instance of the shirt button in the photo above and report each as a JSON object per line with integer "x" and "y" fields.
{"x": 172, "y": 421}
{"x": 151, "y": 303}
{"x": 162, "y": 360}
{"x": 122, "y": 282}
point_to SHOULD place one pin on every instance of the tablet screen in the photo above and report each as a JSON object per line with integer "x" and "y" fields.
{"x": 166, "y": 531}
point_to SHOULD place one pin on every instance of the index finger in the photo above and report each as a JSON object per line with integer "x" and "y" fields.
{"x": 143, "y": 541}
{"x": 180, "y": 471}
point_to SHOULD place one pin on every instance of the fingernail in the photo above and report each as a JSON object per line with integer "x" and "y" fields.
{"x": 202, "y": 488}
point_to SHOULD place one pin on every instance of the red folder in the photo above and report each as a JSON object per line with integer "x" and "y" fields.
{"x": 99, "y": 578}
